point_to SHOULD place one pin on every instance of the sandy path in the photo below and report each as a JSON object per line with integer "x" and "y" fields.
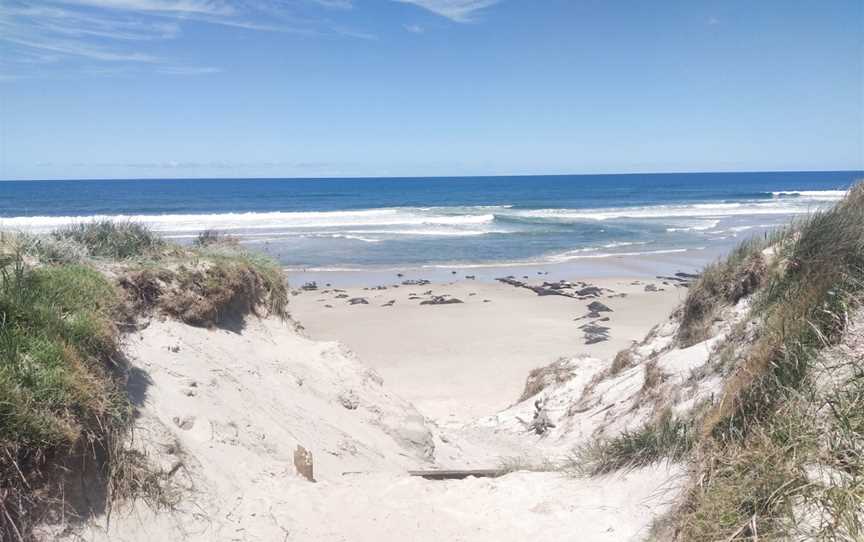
{"x": 461, "y": 361}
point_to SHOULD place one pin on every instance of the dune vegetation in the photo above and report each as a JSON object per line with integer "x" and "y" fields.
{"x": 780, "y": 454}
{"x": 65, "y": 299}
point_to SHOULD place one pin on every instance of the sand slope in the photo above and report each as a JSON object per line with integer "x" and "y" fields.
{"x": 225, "y": 410}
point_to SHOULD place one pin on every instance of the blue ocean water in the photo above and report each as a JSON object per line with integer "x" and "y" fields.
{"x": 416, "y": 222}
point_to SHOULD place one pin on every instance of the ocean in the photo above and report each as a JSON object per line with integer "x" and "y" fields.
{"x": 470, "y": 222}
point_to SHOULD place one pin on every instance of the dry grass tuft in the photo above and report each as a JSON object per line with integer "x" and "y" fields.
{"x": 722, "y": 284}
{"x": 538, "y": 379}
{"x": 623, "y": 360}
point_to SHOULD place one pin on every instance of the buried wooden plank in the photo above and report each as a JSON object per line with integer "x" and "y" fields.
{"x": 456, "y": 474}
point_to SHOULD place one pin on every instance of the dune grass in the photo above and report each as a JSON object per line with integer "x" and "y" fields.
{"x": 780, "y": 454}
{"x": 777, "y": 424}
{"x": 114, "y": 240}
{"x": 723, "y": 283}
{"x": 63, "y": 406}
{"x": 668, "y": 438}
{"x": 60, "y": 378}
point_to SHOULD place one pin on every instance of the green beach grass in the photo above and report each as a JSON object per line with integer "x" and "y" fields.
{"x": 63, "y": 405}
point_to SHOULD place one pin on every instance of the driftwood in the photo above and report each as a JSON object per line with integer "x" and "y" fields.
{"x": 541, "y": 422}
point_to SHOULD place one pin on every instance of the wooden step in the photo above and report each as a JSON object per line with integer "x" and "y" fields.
{"x": 456, "y": 474}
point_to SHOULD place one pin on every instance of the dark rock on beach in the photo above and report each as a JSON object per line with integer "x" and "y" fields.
{"x": 590, "y": 291}
{"x": 596, "y": 306}
{"x": 441, "y": 300}
{"x": 358, "y": 301}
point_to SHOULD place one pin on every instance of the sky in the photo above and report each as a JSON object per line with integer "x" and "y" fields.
{"x": 333, "y": 88}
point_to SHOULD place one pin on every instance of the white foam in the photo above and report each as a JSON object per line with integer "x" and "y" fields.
{"x": 269, "y": 220}
{"x": 575, "y": 255}
{"x": 826, "y": 195}
{"x": 778, "y": 206}
{"x": 700, "y": 226}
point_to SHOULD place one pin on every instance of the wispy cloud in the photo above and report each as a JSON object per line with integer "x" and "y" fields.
{"x": 413, "y": 28}
{"x": 461, "y": 11}
{"x": 72, "y": 48}
{"x": 120, "y": 31}
{"x": 163, "y": 6}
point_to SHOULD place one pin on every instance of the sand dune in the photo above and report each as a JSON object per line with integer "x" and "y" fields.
{"x": 225, "y": 411}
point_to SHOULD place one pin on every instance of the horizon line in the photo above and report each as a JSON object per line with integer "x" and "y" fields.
{"x": 433, "y": 177}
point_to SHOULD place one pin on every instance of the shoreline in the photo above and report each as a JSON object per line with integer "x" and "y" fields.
{"x": 641, "y": 267}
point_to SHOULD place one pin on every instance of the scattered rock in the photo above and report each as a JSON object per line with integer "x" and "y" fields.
{"x": 590, "y": 291}
{"x": 594, "y": 333}
{"x": 342, "y": 296}
{"x": 309, "y": 286}
{"x": 418, "y": 282}
{"x": 358, "y": 301}
{"x": 596, "y": 306}
{"x": 594, "y": 328}
{"x": 470, "y": 277}
{"x": 389, "y": 303}
{"x": 593, "y": 339}
{"x": 441, "y": 300}
{"x": 651, "y": 288}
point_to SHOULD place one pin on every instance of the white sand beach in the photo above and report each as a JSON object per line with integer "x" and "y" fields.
{"x": 460, "y": 361}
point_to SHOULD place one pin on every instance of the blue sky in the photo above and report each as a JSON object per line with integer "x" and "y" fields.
{"x": 310, "y": 88}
